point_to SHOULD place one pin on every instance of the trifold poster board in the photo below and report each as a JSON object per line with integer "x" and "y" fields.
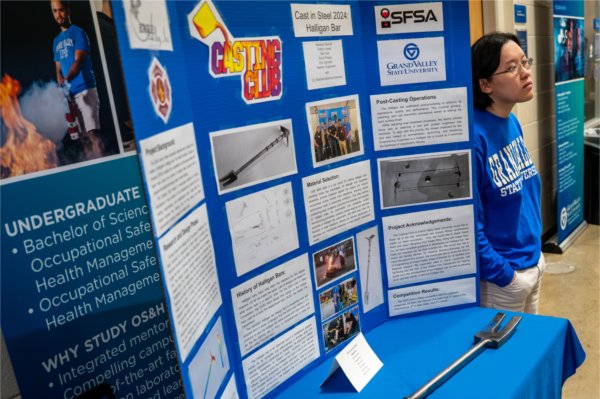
{"x": 82, "y": 301}
{"x": 569, "y": 60}
{"x": 309, "y": 175}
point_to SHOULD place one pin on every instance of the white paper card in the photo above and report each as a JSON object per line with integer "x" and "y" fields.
{"x": 349, "y": 188}
{"x": 311, "y": 20}
{"x": 324, "y": 62}
{"x": 358, "y": 362}
{"x": 172, "y": 170}
{"x": 271, "y": 302}
{"x": 188, "y": 262}
{"x": 148, "y": 25}
{"x": 416, "y": 118}
{"x": 429, "y": 245}
{"x": 281, "y": 358}
{"x": 432, "y": 296}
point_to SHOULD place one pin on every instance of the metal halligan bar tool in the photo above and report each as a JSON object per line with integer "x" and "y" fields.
{"x": 490, "y": 337}
{"x": 232, "y": 176}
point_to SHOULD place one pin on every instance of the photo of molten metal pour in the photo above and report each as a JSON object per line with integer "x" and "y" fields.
{"x": 334, "y": 262}
{"x": 54, "y": 98}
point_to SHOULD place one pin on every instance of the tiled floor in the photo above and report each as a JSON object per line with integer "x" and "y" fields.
{"x": 575, "y": 296}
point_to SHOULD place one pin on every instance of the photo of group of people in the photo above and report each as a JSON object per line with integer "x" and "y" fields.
{"x": 338, "y": 297}
{"x": 334, "y": 262}
{"x": 335, "y": 129}
{"x": 341, "y": 328}
{"x": 65, "y": 99}
{"x": 570, "y": 50}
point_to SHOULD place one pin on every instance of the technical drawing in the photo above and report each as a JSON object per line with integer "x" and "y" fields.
{"x": 262, "y": 227}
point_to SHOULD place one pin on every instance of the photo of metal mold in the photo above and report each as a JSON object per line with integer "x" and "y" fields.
{"x": 407, "y": 181}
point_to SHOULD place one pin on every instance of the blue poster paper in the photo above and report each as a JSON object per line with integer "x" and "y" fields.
{"x": 290, "y": 175}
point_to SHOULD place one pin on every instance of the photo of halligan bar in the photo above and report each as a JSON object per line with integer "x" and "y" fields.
{"x": 252, "y": 154}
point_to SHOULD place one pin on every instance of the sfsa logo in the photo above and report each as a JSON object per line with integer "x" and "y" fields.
{"x": 399, "y": 17}
{"x": 419, "y": 17}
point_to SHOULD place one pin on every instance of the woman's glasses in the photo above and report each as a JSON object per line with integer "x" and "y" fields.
{"x": 516, "y": 69}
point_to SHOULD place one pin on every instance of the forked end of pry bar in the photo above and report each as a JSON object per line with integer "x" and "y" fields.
{"x": 286, "y": 134}
{"x": 228, "y": 179}
{"x": 492, "y": 336}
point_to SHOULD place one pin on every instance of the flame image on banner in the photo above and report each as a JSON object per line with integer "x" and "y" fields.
{"x": 160, "y": 90}
{"x": 25, "y": 149}
{"x": 258, "y": 61}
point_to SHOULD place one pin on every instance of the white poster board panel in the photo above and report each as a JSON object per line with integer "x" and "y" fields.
{"x": 429, "y": 245}
{"x": 432, "y": 296}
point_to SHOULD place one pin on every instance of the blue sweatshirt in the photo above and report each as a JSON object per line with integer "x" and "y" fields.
{"x": 509, "y": 224}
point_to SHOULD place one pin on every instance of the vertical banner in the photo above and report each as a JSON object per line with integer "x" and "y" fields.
{"x": 569, "y": 80}
{"x": 83, "y": 310}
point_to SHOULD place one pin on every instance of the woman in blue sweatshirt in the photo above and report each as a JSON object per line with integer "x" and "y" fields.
{"x": 509, "y": 225}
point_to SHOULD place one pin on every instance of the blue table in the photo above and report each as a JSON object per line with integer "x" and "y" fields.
{"x": 534, "y": 363}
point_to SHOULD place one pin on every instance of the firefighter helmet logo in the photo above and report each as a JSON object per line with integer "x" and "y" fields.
{"x": 160, "y": 90}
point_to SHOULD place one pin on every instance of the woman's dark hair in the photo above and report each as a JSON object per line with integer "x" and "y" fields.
{"x": 485, "y": 58}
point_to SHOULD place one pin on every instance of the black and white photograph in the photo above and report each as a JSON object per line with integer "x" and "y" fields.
{"x": 253, "y": 154}
{"x": 334, "y": 262}
{"x": 369, "y": 267}
{"x": 335, "y": 129}
{"x": 425, "y": 178}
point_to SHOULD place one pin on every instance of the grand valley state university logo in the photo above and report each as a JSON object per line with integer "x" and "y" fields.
{"x": 411, "y": 51}
{"x": 411, "y": 61}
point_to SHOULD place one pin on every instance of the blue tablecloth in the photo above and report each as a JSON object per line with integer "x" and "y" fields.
{"x": 534, "y": 363}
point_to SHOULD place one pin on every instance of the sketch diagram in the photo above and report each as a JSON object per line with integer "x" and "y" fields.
{"x": 262, "y": 227}
{"x": 408, "y": 181}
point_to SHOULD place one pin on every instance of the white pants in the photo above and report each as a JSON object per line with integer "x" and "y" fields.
{"x": 88, "y": 105}
{"x": 521, "y": 295}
